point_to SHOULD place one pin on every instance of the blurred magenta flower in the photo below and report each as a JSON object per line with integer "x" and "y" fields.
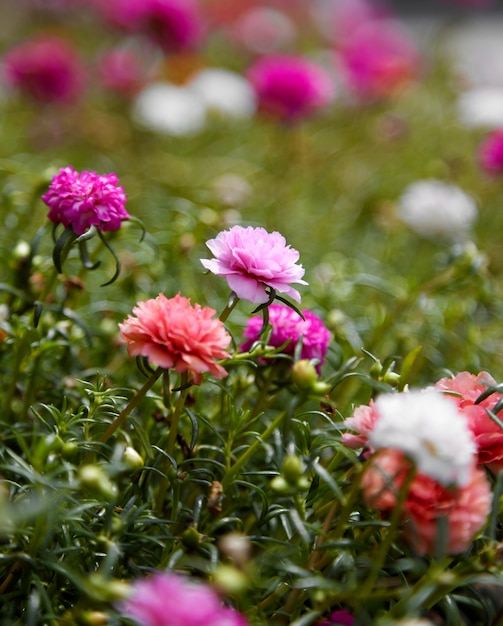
{"x": 338, "y": 618}
{"x": 490, "y": 152}
{"x": 252, "y": 259}
{"x": 175, "y": 335}
{"x": 86, "y": 199}
{"x": 174, "y": 25}
{"x": 428, "y": 504}
{"x": 288, "y": 325}
{"x": 167, "y": 599}
{"x": 46, "y": 69}
{"x": 378, "y": 59}
{"x": 290, "y": 87}
{"x": 121, "y": 71}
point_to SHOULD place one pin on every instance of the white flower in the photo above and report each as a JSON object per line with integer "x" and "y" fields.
{"x": 433, "y": 208}
{"x": 429, "y": 429}
{"x": 481, "y": 107}
{"x": 225, "y": 92}
{"x": 166, "y": 108}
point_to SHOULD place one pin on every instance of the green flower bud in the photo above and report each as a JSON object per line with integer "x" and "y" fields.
{"x": 305, "y": 376}
{"x": 191, "y": 538}
{"x": 93, "y": 478}
{"x": 292, "y": 469}
{"x": 230, "y": 580}
{"x": 132, "y": 459}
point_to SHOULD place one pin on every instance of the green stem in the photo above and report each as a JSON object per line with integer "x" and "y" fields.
{"x": 246, "y": 456}
{"x": 52, "y": 278}
{"x": 175, "y": 417}
{"x": 121, "y": 418}
{"x": 231, "y": 303}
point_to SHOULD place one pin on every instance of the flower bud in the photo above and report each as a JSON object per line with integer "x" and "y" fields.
{"x": 305, "y": 376}
{"x": 292, "y": 469}
{"x": 229, "y": 579}
{"x": 191, "y": 538}
{"x": 93, "y": 477}
{"x": 132, "y": 459}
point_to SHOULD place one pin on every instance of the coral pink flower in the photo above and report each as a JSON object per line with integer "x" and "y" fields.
{"x": 464, "y": 389}
{"x": 287, "y": 325}
{"x": 490, "y": 152}
{"x": 428, "y": 504}
{"x": 46, "y": 69}
{"x": 252, "y": 259}
{"x": 174, "y": 25}
{"x": 168, "y": 599}
{"x": 86, "y": 199}
{"x": 378, "y": 59}
{"x": 175, "y": 335}
{"x": 290, "y": 87}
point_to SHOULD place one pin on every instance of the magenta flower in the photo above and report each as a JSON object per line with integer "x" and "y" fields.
{"x": 85, "y": 199}
{"x": 168, "y": 599}
{"x": 174, "y": 25}
{"x": 290, "y": 87}
{"x": 378, "y": 59}
{"x": 120, "y": 70}
{"x": 288, "y": 325}
{"x": 252, "y": 259}
{"x": 490, "y": 152}
{"x": 338, "y": 618}
{"x": 176, "y": 335}
{"x": 46, "y": 69}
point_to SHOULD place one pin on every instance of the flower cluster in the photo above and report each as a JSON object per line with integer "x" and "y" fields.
{"x": 287, "y": 329}
{"x": 173, "y": 334}
{"x": 252, "y": 259}
{"x": 432, "y": 432}
{"x": 86, "y": 199}
{"x": 167, "y": 599}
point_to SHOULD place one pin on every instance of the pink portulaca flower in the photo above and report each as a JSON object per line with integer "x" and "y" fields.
{"x": 490, "y": 153}
{"x": 464, "y": 390}
{"x": 174, "y": 25}
{"x": 175, "y": 335}
{"x": 428, "y": 505}
{"x": 168, "y": 599}
{"x": 86, "y": 199}
{"x": 287, "y": 325}
{"x": 378, "y": 59}
{"x": 46, "y": 69}
{"x": 252, "y": 259}
{"x": 290, "y": 87}
{"x": 121, "y": 71}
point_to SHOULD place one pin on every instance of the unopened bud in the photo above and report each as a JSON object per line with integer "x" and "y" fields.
{"x": 229, "y": 579}
{"x": 93, "y": 477}
{"x": 292, "y": 469}
{"x": 132, "y": 459}
{"x": 305, "y": 376}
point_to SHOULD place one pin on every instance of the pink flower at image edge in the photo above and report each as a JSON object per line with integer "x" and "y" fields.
{"x": 251, "y": 259}
{"x": 86, "y": 199}
{"x": 173, "y": 334}
{"x": 168, "y": 599}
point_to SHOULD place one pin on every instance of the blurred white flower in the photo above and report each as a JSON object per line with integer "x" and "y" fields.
{"x": 429, "y": 429}
{"x": 433, "y": 208}
{"x": 166, "y": 108}
{"x": 225, "y": 92}
{"x": 232, "y": 190}
{"x": 481, "y": 107}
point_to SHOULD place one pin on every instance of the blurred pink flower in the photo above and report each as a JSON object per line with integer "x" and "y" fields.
{"x": 490, "y": 153}
{"x": 338, "y": 20}
{"x": 251, "y": 259}
{"x": 175, "y": 335}
{"x": 464, "y": 389}
{"x": 85, "y": 199}
{"x": 121, "y": 71}
{"x": 290, "y": 87}
{"x": 288, "y": 325}
{"x": 428, "y": 504}
{"x": 46, "y": 69}
{"x": 378, "y": 59}
{"x": 167, "y": 599}
{"x": 174, "y": 25}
